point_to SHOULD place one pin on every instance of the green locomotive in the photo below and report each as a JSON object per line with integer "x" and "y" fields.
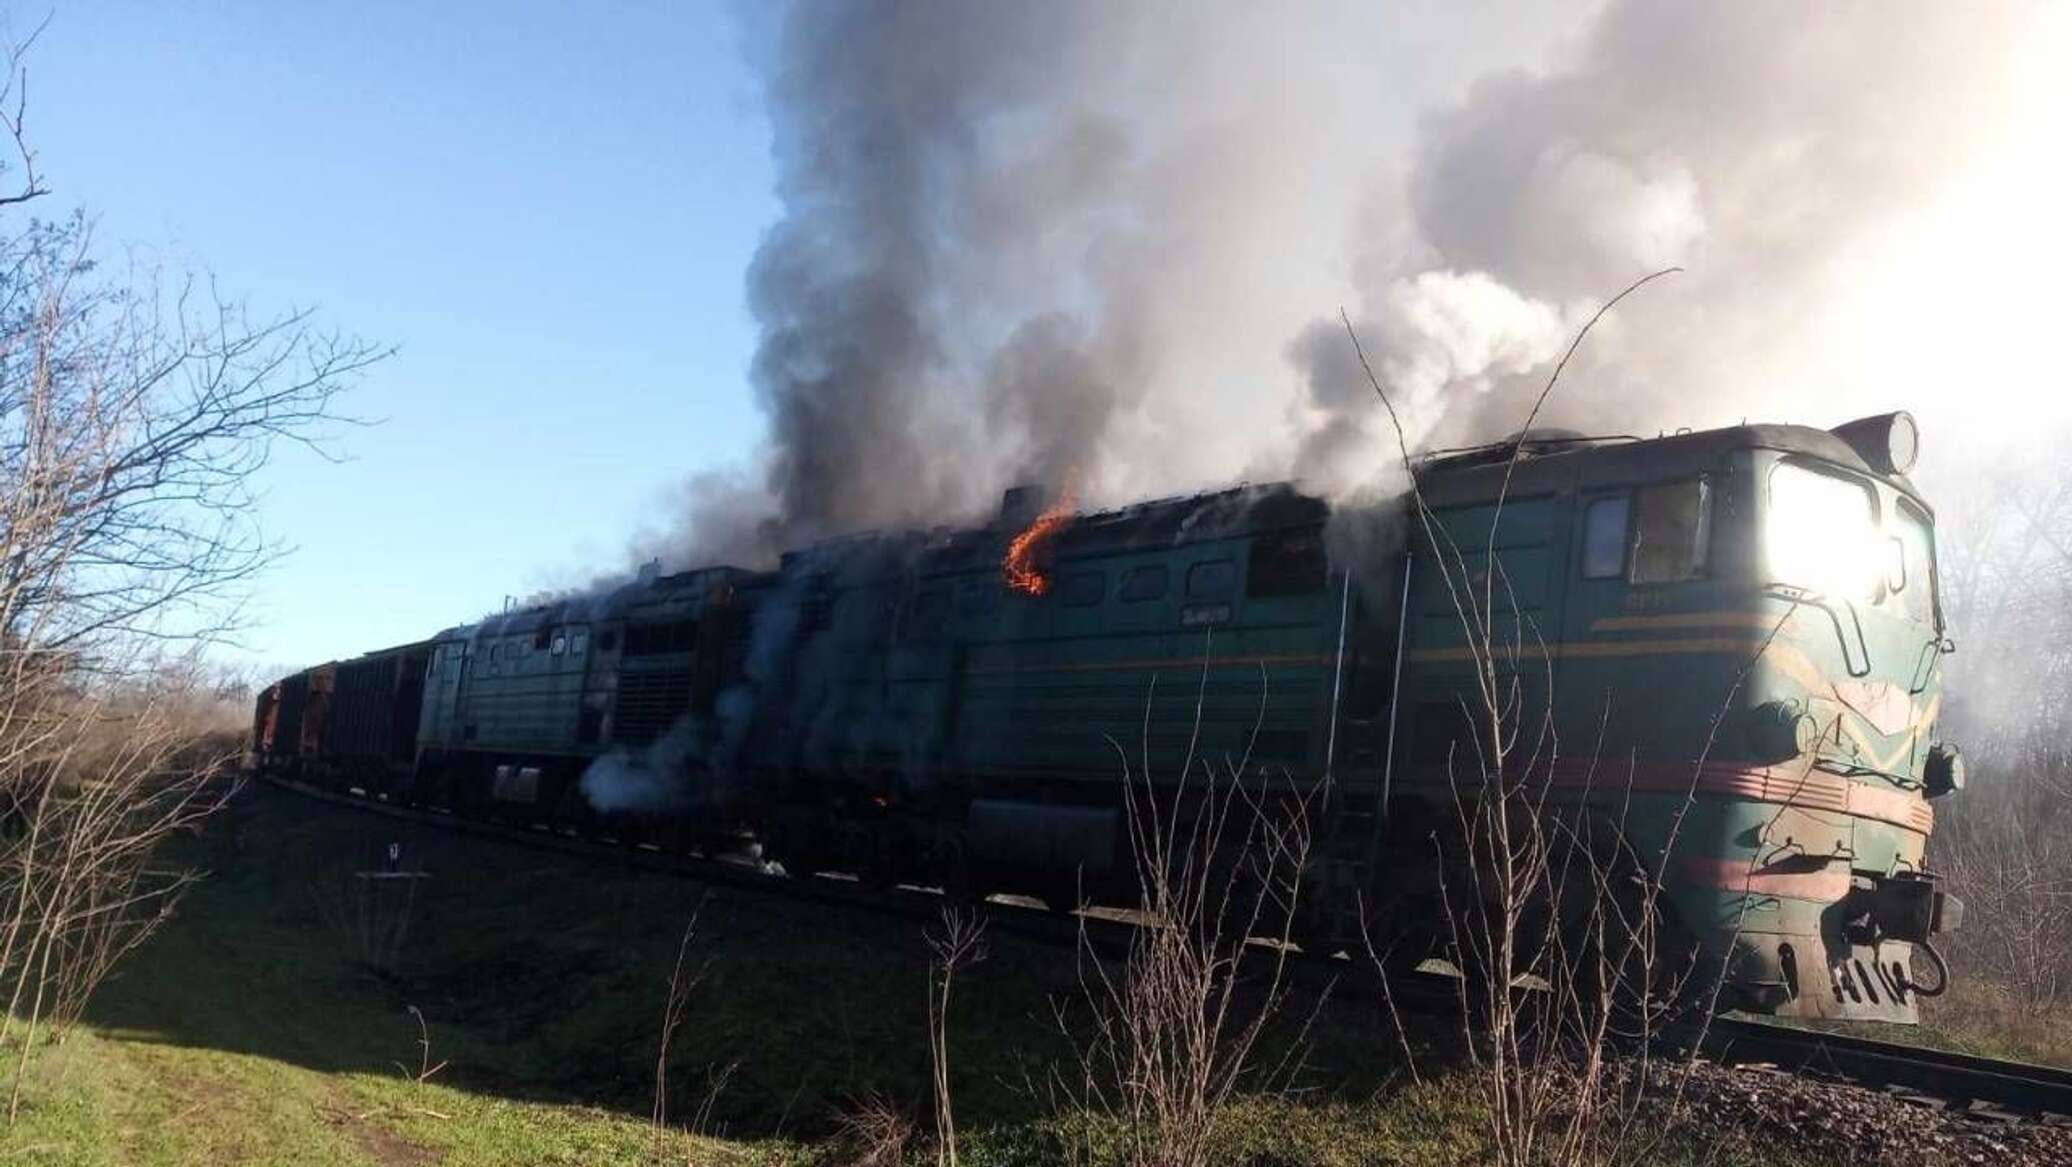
{"x": 1724, "y": 644}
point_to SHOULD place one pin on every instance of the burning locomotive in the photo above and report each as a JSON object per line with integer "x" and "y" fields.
{"x": 1734, "y": 634}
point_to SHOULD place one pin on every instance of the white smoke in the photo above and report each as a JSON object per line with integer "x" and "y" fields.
{"x": 1110, "y": 242}
{"x": 652, "y": 778}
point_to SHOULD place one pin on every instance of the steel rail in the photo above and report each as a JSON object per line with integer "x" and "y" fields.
{"x": 1108, "y": 935}
{"x": 1966, "y": 1081}
{"x": 902, "y": 900}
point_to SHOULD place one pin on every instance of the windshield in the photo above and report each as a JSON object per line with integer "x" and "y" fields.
{"x": 1822, "y": 534}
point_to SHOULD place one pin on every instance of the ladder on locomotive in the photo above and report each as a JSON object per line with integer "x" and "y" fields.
{"x": 1352, "y": 838}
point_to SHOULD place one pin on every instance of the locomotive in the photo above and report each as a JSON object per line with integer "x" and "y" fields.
{"x": 1734, "y": 635}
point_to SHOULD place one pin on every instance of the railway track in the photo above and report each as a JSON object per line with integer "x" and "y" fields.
{"x": 724, "y": 871}
{"x": 1106, "y": 931}
{"x": 1987, "y": 1087}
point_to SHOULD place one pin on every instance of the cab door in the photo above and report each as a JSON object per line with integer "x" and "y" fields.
{"x": 1643, "y": 632}
{"x": 1486, "y": 584}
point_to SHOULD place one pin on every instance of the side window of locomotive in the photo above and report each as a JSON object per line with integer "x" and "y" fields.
{"x": 1211, "y": 579}
{"x": 1145, "y": 582}
{"x": 1082, "y": 589}
{"x": 578, "y": 643}
{"x": 1672, "y": 531}
{"x": 560, "y": 645}
{"x": 1604, "y": 537}
{"x": 1286, "y": 563}
{"x": 1914, "y": 582}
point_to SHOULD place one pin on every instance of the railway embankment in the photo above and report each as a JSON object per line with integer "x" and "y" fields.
{"x": 276, "y": 1019}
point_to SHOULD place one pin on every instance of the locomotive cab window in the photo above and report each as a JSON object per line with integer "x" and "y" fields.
{"x": 1604, "y": 537}
{"x": 1672, "y": 531}
{"x": 560, "y": 646}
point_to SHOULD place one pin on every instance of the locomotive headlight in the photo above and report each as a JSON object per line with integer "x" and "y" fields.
{"x": 1888, "y": 443}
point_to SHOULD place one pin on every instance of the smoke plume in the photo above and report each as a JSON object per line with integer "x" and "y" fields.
{"x": 646, "y": 779}
{"x": 1107, "y": 244}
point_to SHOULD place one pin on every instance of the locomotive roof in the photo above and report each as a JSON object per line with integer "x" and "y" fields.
{"x": 1546, "y": 465}
{"x": 682, "y": 589}
{"x": 1543, "y": 463}
{"x": 1161, "y": 522}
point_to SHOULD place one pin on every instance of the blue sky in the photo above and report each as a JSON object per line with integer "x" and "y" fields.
{"x": 549, "y": 212}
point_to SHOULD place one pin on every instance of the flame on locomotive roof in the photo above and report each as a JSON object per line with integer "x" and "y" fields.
{"x": 1742, "y": 624}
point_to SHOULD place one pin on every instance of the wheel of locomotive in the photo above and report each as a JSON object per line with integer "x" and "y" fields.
{"x": 1597, "y": 944}
{"x": 1311, "y": 928}
{"x": 1063, "y": 894}
{"x": 1636, "y": 966}
{"x": 1398, "y": 939}
{"x": 867, "y": 853}
{"x": 1397, "y": 920}
{"x": 951, "y": 863}
{"x": 795, "y": 840}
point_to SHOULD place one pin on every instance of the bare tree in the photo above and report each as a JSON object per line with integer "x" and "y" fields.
{"x": 1176, "y": 1027}
{"x": 683, "y": 980}
{"x": 957, "y": 945}
{"x": 1534, "y": 884}
{"x": 2006, "y": 571}
{"x": 134, "y": 411}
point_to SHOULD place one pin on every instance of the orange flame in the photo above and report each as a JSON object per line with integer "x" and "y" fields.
{"x": 1019, "y": 567}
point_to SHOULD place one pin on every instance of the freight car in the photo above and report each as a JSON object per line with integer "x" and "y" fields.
{"x": 1733, "y": 636}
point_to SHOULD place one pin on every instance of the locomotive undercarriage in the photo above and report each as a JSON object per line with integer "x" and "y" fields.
{"x": 1851, "y": 958}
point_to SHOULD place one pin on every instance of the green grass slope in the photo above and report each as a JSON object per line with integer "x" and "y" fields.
{"x": 269, "y": 1022}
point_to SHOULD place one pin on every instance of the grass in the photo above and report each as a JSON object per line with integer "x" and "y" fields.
{"x": 1978, "y": 1017}
{"x": 104, "y": 1099}
{"x": 256, "y": 1028}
